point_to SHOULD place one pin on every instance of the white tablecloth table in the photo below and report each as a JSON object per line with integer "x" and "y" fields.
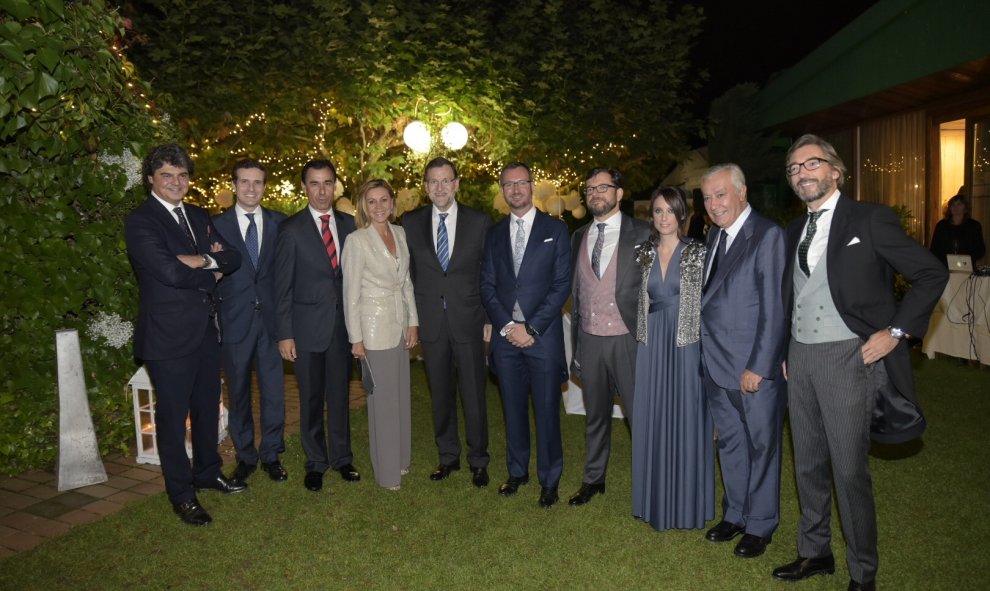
{"x": 960, "y": 325}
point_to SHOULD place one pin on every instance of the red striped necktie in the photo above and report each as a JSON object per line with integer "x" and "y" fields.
{"x": 328, "y": 241}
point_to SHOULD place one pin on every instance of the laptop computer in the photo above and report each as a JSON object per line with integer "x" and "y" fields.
{"x": 959, "y": 263}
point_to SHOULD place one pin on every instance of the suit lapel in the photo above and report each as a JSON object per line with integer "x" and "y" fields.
{"x": 267, "y": 238}
{"x": 425, "y": 230}
{"x": 166, "y": 218}
{"x": 627, "y": 242}
{"x": 734, "y": 253}
{"x": 227, "y": 224}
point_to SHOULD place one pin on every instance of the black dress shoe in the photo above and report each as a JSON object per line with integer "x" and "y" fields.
{"x": 548, "y": 496}
{"x": 751, "y": 546}
{"x": 242, "y": 471}
{"x": 510, "y": 486}
{"x": 192, "y": 513}
{"x": 802, "y": 568}
{"x": 724, "y": 531}
{"x": 349, "y": 473}
{"x": 275, "y": 471}
{"x": 479, "y": 477}
{"x": 587, "y": 491}
{"x": 224, "y": 485}
{"x": 854, "y": 586}
{"x": 442, "y": 471}
{"x": 313, "y": 481}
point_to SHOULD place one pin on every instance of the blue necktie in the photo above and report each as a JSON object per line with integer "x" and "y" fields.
{"x": 251, "y": 239}
{"x": 443, "y": 253}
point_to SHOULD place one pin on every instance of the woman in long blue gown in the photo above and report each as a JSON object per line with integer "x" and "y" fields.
{"x": 673, "y": 475}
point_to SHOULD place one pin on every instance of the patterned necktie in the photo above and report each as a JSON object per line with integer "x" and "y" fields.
{"x": 596, "y": 254}
{"x": 185, "y": 226}
{"x": 520, "y": 245}
{"x": 443, "y": 252}
{"x": 251, "y": 239}
{"x": 805, "y": 245}
{"x": 328, "y": 241}
{"x": 719, "y": 253}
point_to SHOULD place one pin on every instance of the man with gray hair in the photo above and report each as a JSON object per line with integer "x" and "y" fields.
{"x": 742, "y": 344}
{"x": 847, "y": 361}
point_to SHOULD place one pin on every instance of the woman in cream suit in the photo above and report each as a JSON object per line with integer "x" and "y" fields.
{"x": 380, "y": 312}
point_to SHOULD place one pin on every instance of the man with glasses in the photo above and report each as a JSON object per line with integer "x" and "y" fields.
{"x": 446, "y": 240}
{"x": 605, "y": 294}
{"x": 847, "y": 361}
{"x": 525, "y": 280}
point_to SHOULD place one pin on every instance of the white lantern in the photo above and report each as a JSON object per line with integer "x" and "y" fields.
{"x": 579, "y": 212}
{"x": 454, "y": 135}
{"x": 417, "y": 137}
{"x": 143, "y": 395}
{"x": 554, "y": 205}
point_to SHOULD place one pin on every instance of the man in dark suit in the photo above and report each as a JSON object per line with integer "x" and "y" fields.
{"x": 178, "y": 258}
{"x": 847, "y": 361}
{"x": 525, "y": 279}
{"x": 446, "y": 241}
{"x": 247, "y": 305}
{"x": 742, "y": 344}
{"x": 309, "y": 323}
{"x": 604, "y": 298}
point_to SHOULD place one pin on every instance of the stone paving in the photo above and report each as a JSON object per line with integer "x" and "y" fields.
{"x": 33, "y": 511}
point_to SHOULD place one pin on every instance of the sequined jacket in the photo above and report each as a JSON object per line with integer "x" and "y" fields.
{"x": 692, "y": 272}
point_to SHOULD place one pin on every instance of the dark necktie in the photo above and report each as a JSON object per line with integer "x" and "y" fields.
{"x": 719, "y": 253}
{"x": 443, "y": 252}
{"x": 805, "y": 245}
{"x": 328, "y": 241}
{"x": 251, "y": 239}
{"x": 185, "y": 226}
{"x": 596, "y": 254}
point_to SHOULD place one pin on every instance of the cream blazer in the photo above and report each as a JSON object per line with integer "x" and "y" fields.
{"x": 379, "y": 302}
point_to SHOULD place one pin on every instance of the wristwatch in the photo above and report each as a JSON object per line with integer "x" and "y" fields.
{"x": 531, "y": 331}
{"x": 505, "y": 329}
{"x": 206, "y": 261}
{"x": 897, "y": 333}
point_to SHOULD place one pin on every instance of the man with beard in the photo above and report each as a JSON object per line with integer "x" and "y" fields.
{"x": 605, "y": 293}
{"x": 847, "y": 361}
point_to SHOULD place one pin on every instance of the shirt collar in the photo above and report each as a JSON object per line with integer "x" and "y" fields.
{"x": 831, "y": 202}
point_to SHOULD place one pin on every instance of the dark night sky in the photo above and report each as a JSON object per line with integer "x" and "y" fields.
{"x": 747, "y": 41}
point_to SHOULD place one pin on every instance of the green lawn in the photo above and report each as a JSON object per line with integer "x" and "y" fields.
{"x": 449, "y": 535}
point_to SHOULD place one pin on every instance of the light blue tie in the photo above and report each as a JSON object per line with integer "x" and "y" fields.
{"x": 520, "y": 246}
{"x": 251, "y": 239}
{"x": 443, "y": 252}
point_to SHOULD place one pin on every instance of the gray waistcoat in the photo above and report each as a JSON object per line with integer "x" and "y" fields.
{"x": 815, "y": 318}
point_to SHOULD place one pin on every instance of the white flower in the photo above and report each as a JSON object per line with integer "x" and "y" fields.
{"x": 130, "y": 163}
{"x": 116, "y": 331}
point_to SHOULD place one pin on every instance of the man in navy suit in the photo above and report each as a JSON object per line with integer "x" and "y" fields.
{"x": 309, "y": 323}
{"x": 742, "y": 344}
{"x": 525, "y": 280}
{"x": 247, "y": 305}
{"x": 178, "y": 258}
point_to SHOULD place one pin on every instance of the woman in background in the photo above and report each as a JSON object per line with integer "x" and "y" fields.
{"x": 382, "y": 325}
{"x": 958, "y": 233}
{"x": 673, "y": 454}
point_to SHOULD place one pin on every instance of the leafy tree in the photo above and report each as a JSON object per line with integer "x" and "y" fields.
{"x": 72, "y": 114}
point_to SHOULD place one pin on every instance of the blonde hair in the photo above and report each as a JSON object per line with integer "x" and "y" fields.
{"x": 362, "y": 218}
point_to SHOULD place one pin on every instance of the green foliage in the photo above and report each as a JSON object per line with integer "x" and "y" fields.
{"x": 67, "y": 101}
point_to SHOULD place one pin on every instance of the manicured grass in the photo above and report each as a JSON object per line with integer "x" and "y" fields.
{"x": 449, "y": 535}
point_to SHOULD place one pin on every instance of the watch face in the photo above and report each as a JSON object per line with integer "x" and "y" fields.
{"x": 897, "y": 333}
{"x": 530, "y": 330}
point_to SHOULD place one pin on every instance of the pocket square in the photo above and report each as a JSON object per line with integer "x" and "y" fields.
{"x": 549, "y": 240}
{"x": 855, "y": 240}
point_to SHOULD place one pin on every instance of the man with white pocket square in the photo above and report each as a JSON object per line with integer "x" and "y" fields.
{"x": 848, "y": 365}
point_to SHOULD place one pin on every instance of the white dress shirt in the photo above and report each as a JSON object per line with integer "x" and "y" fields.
{"x": 613, "y": 227}
{"x": 333, "y": 226}
{"x": 527, "y": 219}
{"x": 244, "y": 224}
{"x": 730, "y": 236}
{"x": 822, "y": 227}
{"x": 451, "y": 223}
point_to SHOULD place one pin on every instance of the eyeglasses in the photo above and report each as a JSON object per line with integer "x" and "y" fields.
{"x": 809, "y": 164}
{"x": 589, "y": 191}
{"x": 445, "y": 183}
{"x": 515, "y": 185}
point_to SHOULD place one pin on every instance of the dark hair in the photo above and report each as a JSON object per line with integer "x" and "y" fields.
{"x": 960, "y": 198}
{"x": 361, "y": 206}
{"x": 512, "y": 166}
{"x": 810, "y": 139}
{"x": 319, "y": 164}
{"x": 676, "y": 198}
{"x": 249, "y": 163}
{"x": 615, "y": 174}
{"x": 171, "y": 154}
{"x": 439, "y": 162}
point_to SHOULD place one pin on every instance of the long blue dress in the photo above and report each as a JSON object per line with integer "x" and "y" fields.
{"x": 673, "y": 457}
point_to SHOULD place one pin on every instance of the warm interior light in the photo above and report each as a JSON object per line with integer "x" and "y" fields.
{"x": 454, "y": 135}
{"x": 417, "y": 137}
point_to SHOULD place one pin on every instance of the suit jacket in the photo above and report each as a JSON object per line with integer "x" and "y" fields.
{"x": 309, "y": 294}
{"x": 378, "y": 294}
{"x": 743, "y": 324}
{"x": 457, "y": 287}
{"x": 247, "y": 288}
{"x": 866, "y": 244}
{"x": 176, "y": 302}
{"x": 627, "y": 275}
{"x": 542, "y": 285}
